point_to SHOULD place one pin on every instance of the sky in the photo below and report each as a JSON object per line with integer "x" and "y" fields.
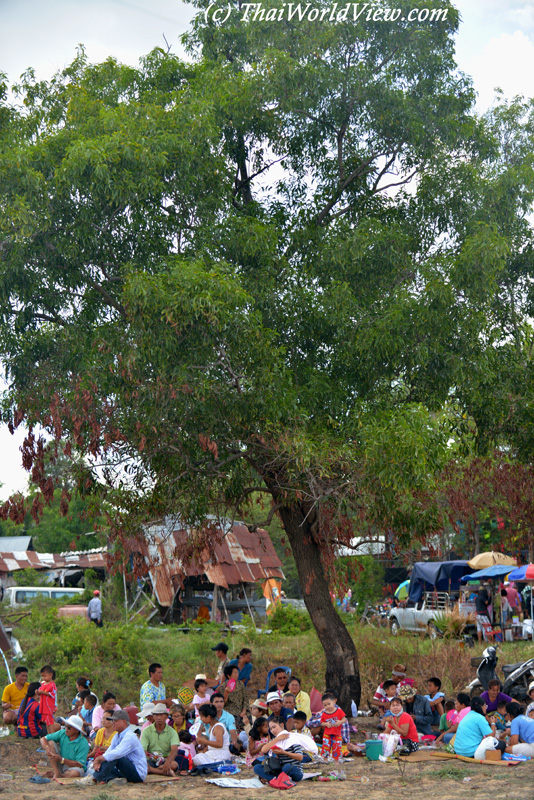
{"x": 495, "y": 45}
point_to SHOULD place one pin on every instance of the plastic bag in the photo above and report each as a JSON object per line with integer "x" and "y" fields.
{"x": 390, "y": 742}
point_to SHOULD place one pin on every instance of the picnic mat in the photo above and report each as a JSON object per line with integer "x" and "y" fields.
{"x": 431, "y": 756}
{"x": 149, "y": 779}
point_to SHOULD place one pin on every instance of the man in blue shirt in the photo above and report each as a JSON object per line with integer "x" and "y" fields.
{"x": 274, "y": 704}
{"x": 124, "y": 760}
{"x": 521, "y": 731}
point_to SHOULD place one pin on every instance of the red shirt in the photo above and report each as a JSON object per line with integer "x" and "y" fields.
{"x": 47, "y": 705}
{"x": 412, "y": 730}
{"x": 338, "y": 714}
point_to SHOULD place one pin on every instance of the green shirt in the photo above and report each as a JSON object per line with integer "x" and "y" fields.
{"x": 443, "y": 724}
{"x": 73, "y": 750}
{"x": 154, "y": 742}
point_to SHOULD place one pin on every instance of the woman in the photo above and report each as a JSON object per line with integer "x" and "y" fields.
{"x": 462, "y": 708}
{"x": 104, "y": 735}
{"x": 216, "y": 743}
{"x": 292, "y": 749}
{"x": 177, "y": 718}
{"x": 302, "y": 699}
{"x": 242, "y": 662}
{"x": 109, "y": 703}
{"x": 521, "y": 731}
{"x": 29, "y": 721}
{"x": 83, "y": 684}
{"x": 401, "y": 722}
{"x": 475, "y": 735}
{"x": 234, "y": 693}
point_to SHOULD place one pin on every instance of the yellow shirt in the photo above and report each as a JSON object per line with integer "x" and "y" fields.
{"x": 12, "y": 694}
{"x": 99, "y": 738}
{"x": 302, "y": 703}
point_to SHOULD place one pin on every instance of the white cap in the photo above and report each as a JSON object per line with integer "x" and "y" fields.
{"x": 272, "y": 696}
{"x": 147, "y": 710}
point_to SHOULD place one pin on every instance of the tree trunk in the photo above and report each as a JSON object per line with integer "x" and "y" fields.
{"x": 342, "y": 668}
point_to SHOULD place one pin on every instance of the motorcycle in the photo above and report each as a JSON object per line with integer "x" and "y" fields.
{"x": 516, "y": 676}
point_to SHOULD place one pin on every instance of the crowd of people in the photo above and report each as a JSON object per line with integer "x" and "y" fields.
{"x": 212, "y": 720}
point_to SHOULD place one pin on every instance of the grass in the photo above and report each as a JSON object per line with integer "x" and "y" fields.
{"x": 451, "y": 773}
{"x": 116, "y": 657}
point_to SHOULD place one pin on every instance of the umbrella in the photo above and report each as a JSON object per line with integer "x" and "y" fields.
{"x": 402, "y": 591}
{"x": 524, "y": 573}
{"x": 484, "y": 560}
{"x": 495, "y": 571}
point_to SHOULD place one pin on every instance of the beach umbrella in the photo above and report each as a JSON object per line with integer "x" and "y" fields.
{"x": 524, "y": 573}
{"x": 402, "y": 590}
{"x": 491, "y": 558}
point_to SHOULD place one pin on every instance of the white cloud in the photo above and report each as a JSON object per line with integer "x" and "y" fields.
{"x": 506, "y": 62}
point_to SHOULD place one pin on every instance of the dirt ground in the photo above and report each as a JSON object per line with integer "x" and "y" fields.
{"x": 407, "y": 781}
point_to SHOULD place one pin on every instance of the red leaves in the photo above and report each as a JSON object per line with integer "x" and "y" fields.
{"x": 208, "y": 445}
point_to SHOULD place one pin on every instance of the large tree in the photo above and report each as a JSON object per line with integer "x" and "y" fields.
{"x": 259, "y": 272}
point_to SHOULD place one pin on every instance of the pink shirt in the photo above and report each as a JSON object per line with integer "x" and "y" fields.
{"x": 458, "y": 716}
{"x": 513, "y": 596}
{"x": 98, "y": 713}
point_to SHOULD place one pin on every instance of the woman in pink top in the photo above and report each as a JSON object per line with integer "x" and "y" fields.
{"x": 462, "y": 707}
{"x": 109, "y": 703}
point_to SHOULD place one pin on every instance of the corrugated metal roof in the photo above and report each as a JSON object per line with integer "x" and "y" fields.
{"x": 20, "y": 559}
{"x": 8, "y": 544}
{"x": 237, "y": 557}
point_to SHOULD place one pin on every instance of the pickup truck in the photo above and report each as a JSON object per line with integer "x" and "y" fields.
{"x": 419, "y": 618}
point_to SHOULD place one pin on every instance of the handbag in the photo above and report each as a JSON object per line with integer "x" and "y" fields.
{"x": 272, "y": 764}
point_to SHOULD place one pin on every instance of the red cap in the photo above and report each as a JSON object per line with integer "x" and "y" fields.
{"x": 96, "y": 592}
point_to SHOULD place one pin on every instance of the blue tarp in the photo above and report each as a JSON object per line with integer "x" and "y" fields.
{"x": 444, "y": 576}
{"x": 495, "y": 571}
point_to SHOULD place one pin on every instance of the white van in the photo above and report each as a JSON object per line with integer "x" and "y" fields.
{"x": 20, "y": 596}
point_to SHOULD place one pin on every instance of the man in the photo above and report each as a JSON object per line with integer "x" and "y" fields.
{"x": 223, "y": 716}
{"x": 13, "y": 695}
{"x": 513, "y": 596}
{"x": 481, "y": 608}
{"x": 521, "y": 731}
{"x": 124, "y": 761}
{"x": 418, "y": 708}
{"x": 494, "y": 696}
{"x": 153, "y": 691}
{"x": 162, "y": 739}
{"x": 274, "y": 705}
{"x": 280, "y": 684}
{"x": 94, "y": 609}
{"x": 67, "y": 750}
{"x": 221, "y": 651}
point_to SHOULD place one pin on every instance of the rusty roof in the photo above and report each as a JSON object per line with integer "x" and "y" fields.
{"x": 238, "y": 556}
{"x": 29, "y": 559}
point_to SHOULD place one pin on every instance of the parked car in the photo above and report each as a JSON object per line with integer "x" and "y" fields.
{"x": 21, "y": 596}
{"x": 418, "y": 617}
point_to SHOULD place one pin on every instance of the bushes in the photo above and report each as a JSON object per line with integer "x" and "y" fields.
{"x": 287, "y": 621}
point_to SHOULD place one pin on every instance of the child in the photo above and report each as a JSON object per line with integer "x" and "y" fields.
{"x": 83, "y": 684}
{"x": 259, "y": 735}
{"x": 47, "y": 698}
{"x": 445, "y": 721}
{"x": 299, "y": 722}
{"x": 86, "y": 711}
{"x": 435, "y": 697}
{"x": 500, "y": 716}
{"x": 332, "y": 719}
{"x": 201, "y": 696}
{"x": 186, "y": 752}
{"x": 387, "y": 693}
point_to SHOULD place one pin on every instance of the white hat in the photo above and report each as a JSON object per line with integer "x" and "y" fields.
{"x": 272, "y": 696}
{"x": 160, "y": 708}
{"x": 147, "y": 710}
{"x": 75, "y": 722}
{"x": 201, "y": 677}
{"x": 531, "y": 687}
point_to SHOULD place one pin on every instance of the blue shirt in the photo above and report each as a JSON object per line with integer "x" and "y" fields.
{"x": 151, "y": 694}
{"x": 126, "y": 745}
{"x": 471, "y": 730}
{"x": 524, "y": 728}
{"x": 227, "y": 720}
{"x": 245, "y": 673}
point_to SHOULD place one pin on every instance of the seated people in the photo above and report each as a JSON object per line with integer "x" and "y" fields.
{"x": 87, "y": 709}
{"x": 104, "y": 735}
{"x": 243, "y": 662}
{"x": 234, "y": 693}
{"x": 530, "y": 706}
{"x": 202, "y": 693}
{"x": 494, "y": 695}
{"x": 66, "y": 749}
{"x": 332, "y": 719}
{"x": 446, "y": 718}
{"x": 475, "y": 735}
{"x": 435, "y": 697}
{"x": 462, "y": 707}
{"x": 13, "y": 695}
{"x": 402, "y": 723}
{"x": 398, "y": 676}
{"x": 177, "y": 718}
{"x": 389, "y": 690}
{"x": 146, "y": 715}
{"x": 186, "y": 752}
{"x": 300, "y": 723}
{"x": 203, "y": 613}
{"x": 291, "y": 748}
{"x": 109, "y": 703}
{"x": 160, "y": 743}
{"x": 418, "y": 707}
{"x": 521, "y": 731}
{"x": 275, "y": 708}
{"x": 124, "y": 758}
{"x": 280, "y": 685}
{"x": 288, "y": 701}
{"x": 215, "y": 744}
{"x": 258, "y": 736}
{"x": 223, "y": 716}
{"x": 499, "y": 716}
{"x": 29, "y": 723}
{"x": 302, "y": 699}
{"x": 83, "y": 684}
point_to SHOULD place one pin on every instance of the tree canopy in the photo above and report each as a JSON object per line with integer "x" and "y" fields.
{"x": 278, "y": 268}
